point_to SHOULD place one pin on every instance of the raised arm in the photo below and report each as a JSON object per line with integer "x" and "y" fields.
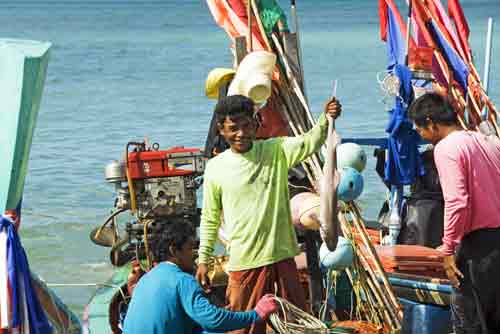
{"x": 296, "y": 149}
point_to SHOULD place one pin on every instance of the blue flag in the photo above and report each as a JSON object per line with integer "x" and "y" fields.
{"x": 459, "y": 68}
{"x": 396, "y": 44}
{"x": 21, "y": 287}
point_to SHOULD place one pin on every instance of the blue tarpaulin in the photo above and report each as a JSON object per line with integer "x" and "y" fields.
{"x": 403, "y": 163}
{"x": 26, "y": 313}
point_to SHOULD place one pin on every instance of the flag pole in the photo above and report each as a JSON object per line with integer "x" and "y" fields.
{"x": 293, "y": 10}
{"x": 408, "y": 29}
{"x": 249, "y": 17}
{"x": 487, "y": 61}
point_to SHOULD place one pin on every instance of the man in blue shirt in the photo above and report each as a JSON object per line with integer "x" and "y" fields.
{"x": 169, "y": 300}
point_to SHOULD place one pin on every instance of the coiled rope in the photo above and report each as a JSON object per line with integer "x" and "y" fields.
{"x": 292, "y": 320}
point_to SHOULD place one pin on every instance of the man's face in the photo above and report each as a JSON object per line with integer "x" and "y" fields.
{"x": 430, "y": 132}
{"x": 185, "y": 256}
{"x": 239, "y": 132}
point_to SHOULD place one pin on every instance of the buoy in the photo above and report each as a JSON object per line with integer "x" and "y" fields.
{"x": 305, "y": 210}
{"x": 351, "y": 155}
{"x": 351, "y": 184}
{"x": 341, "y": 258}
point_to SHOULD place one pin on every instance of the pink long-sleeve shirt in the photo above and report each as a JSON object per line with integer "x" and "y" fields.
{"x": 468, "y": 164}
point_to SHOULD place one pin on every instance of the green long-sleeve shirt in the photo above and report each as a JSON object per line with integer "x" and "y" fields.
{"x": 252, "y": 191}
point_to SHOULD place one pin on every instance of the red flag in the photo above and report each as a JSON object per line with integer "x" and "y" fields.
{"x": 384, "y": 7}
{"x": 422, "y": 18}
{"x": 382, "y": 12}
{"x": 457, "y": 15}
{"x": 438, "y": 19}
{"x": 446, "y": 25}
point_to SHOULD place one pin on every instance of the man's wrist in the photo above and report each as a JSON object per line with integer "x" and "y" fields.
{"x": 447, "y": 250}
{"x": 322, "y": 120}
{"x": 203, "y": 257}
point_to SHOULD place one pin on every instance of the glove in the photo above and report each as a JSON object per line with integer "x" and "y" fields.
{"x": 266, "y": 306}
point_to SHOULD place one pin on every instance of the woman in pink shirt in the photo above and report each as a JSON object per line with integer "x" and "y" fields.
{"x": 468, "y": 165}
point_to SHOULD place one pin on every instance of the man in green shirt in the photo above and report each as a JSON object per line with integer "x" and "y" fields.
{"x": 249, "y": 184}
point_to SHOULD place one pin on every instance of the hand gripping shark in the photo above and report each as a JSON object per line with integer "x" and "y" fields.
{"x": 328, "y": 184}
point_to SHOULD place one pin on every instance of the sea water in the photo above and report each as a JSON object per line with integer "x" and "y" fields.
{"x": 123, "y": 70}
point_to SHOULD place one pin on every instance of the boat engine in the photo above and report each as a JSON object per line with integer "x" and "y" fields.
{"x": 157, "y": 187}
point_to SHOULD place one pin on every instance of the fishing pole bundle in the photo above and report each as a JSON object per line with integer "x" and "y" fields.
{"x": 376, "y": 300}
{"x": 289, "y": 87}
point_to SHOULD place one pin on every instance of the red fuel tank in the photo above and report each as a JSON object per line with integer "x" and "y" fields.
{"x": 176, "y": 161}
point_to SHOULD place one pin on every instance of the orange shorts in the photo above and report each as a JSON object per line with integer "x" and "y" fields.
{"x": 246, "y": 287}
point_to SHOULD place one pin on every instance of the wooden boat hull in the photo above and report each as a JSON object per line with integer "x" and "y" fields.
{"x": 63, "y": 321}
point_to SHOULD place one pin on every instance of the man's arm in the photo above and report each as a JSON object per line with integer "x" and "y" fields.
{"x": 208, "y": 316}
{"x": 297, "y": 149}
{"x": 453, "y": 179}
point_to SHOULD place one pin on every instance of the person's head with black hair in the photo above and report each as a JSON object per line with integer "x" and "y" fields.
{"x": 236, "y": 121}
{"x": 178, "y": 241}
{"x": 433, "y": 116}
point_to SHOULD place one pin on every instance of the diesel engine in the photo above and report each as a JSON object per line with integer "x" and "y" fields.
{"x": 157, "y": 187}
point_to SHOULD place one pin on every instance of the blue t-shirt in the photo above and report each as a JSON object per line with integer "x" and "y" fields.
{"x": 169, "y": 301}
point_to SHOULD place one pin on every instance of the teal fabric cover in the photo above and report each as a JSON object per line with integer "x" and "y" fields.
{"x": 23, "y": 66}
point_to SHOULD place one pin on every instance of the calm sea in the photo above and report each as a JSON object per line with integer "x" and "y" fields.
{"x": 122, "y": 70}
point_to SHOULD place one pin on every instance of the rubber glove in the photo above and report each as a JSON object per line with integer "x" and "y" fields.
{"x": 266, "y": 306}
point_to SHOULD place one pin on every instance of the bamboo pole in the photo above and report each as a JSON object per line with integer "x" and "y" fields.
{"x": 293, "y": 107}
{"x": 291, "y": 77}
{"x": 298, "y": 93}
{"x": 384, "y": 314}
{"x": 295, "y": 132}
{"x": 259, "y": 24}
{"x": 297, "y": 89}
{"x": 373, "y": 309}
{"x": 295, "y": 117}
{"x": 264, "y": 37}
{"x": 295, "y": 17}
{"x": 382, "y": 310}
{"x": 475, "y": 79}
{"x": 249, "y": 20}
{"x": 373, "y": 253}
{"x": 395, "y": 318}
{"x": 308, "y": 164}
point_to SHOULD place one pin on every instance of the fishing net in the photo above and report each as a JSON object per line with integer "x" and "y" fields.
{"x": 375, "y": 300}
{"x": 389, "y": 85}
{"x": 355, "y": 327}
{"x": 291, "y": 320}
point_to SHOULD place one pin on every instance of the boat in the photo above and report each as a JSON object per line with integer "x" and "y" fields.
{"x": 23, "y": 67}
{"x": 400, "y": 292}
